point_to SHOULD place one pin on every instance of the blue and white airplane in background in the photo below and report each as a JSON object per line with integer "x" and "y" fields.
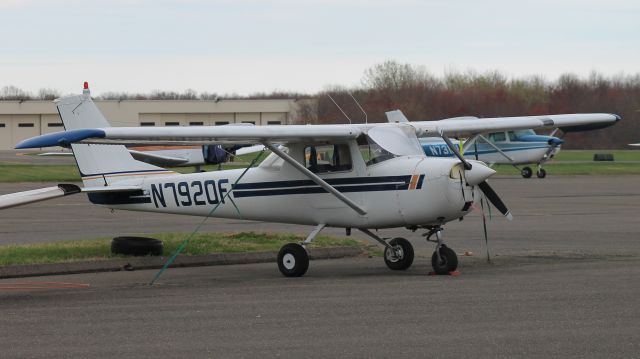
{"x": 520, "y": 147}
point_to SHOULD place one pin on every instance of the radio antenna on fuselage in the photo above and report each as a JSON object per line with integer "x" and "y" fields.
{"x": 340, "y": 108}
{"x": 366, "y": 118}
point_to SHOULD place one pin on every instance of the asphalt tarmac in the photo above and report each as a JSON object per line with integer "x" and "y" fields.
{"x": 528, "y": 307}
{"x": 564, "y": 282}
{"x": 567, "y": 215}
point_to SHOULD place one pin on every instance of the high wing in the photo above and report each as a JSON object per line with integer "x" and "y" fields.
{"x": 195, "y": 134}
{"x": 255, "y": 135}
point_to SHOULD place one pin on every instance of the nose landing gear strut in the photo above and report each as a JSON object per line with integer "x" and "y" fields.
{"x": 444, "y": 260}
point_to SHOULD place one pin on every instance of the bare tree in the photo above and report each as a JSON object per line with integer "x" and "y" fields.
{"x": 12, "y": 93}
{"x": 48, "y": 94}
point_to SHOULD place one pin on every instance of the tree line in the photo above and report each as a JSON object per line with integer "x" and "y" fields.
{"x": 423, "y": 96}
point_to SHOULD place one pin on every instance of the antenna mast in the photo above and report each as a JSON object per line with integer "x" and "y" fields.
{"x": 339, "y": 108}
{"x": 366, "y": 118}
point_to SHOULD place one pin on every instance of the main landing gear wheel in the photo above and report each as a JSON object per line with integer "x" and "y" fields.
{"x": 293, "y": 260}
{"x": 526, "y": 172}
{"x": 447, "y": 263}
{"x": 541, "y": 173}
{"x": 402, "y": 257}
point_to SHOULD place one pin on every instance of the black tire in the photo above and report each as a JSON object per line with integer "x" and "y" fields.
{"x": 541, "y": 173}
{"x": 406, "y": 258}
{"x": 293, "y": 260}
{"x": 526, "y": 172}
{"x": 137, "y": 246}
{"x": 449, "y": 261}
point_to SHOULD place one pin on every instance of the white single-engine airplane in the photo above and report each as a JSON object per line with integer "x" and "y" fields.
{"x": 362, "y": 176}
{"x": 519, "y": 147}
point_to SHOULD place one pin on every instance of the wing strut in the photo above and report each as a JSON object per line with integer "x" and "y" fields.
{"x": 312, "y": 176}
{"x": 469, "y": 142}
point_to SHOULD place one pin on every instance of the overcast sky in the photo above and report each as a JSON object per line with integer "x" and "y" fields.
{"x": 243, "y": 46}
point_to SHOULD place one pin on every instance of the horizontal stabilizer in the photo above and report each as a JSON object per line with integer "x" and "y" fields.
{"x": 250, "y": 149}
{"x": 61, "y": 190}
{"x": 49, "y": 154}
{"x": 156, "y": 159}
{"x": 37, "y": 195}
{"x": 104, "y": 189}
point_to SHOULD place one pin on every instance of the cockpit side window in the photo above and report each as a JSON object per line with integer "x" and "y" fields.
{"x": 372, "y": 152}
{"x": 497, "y": 137}
{"x": 512, "y": 136}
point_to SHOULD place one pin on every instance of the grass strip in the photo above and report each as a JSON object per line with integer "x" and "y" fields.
{"x": 201, "y": 243}
{"x": 575, "y": 169}
{"x": 587, "y": 155}
{"x": 573, "y": 162}
{"x": 38, "y": 173}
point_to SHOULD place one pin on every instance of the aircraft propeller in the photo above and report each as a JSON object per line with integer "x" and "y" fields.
{"x": 477, "y": 176}
{"x": 495, "y": 200}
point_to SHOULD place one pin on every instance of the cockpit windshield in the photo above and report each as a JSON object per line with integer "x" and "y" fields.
{"x": 521, "y": 133}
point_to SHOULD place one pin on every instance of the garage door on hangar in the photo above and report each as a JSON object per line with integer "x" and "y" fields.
{"x": 15, "y": 128}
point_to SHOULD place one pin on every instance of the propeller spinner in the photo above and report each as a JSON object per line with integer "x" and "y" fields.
{"x": 477, "y": 174}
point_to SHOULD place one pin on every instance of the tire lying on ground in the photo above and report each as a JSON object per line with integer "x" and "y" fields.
{"x": 137, "y": 246}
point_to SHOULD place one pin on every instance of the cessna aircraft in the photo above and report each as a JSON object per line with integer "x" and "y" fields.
{"x": 360, "y": 176}
{"x": 519, "y": 147}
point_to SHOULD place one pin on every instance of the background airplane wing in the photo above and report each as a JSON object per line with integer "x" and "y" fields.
{"x": 469, "y": 127}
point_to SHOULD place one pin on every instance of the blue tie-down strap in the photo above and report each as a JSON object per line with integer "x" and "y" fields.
{"x": 64, "y": 138}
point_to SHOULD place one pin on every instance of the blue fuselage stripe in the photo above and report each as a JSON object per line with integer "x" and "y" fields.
{"x": 318, "y": 189}
{"x": 331, "y": 181}
{"x": 441, "y": 150}
{"x": 279, "y": 188}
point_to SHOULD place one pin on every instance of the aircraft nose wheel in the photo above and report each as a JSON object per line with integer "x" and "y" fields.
{"x": 401, "y": 257}
{"x": 293, "y": 260}
{"x": 526, "y": 172}
{"x": 541, "y": 173}
{"x": 447, "y": 261}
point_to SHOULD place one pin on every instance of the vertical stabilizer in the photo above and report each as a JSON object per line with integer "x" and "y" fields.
{"x": 396, "y": 116}
{"x": 99, "y": 165}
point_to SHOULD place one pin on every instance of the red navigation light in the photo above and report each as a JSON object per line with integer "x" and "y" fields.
{"x": 86, "y": 85}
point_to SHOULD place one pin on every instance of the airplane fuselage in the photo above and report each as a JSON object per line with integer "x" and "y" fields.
{"x": 523, "y": 149}
{"x": 403, "y": 191}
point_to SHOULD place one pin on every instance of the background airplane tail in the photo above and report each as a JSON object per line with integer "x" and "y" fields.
{"x": 99, "y": 165}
